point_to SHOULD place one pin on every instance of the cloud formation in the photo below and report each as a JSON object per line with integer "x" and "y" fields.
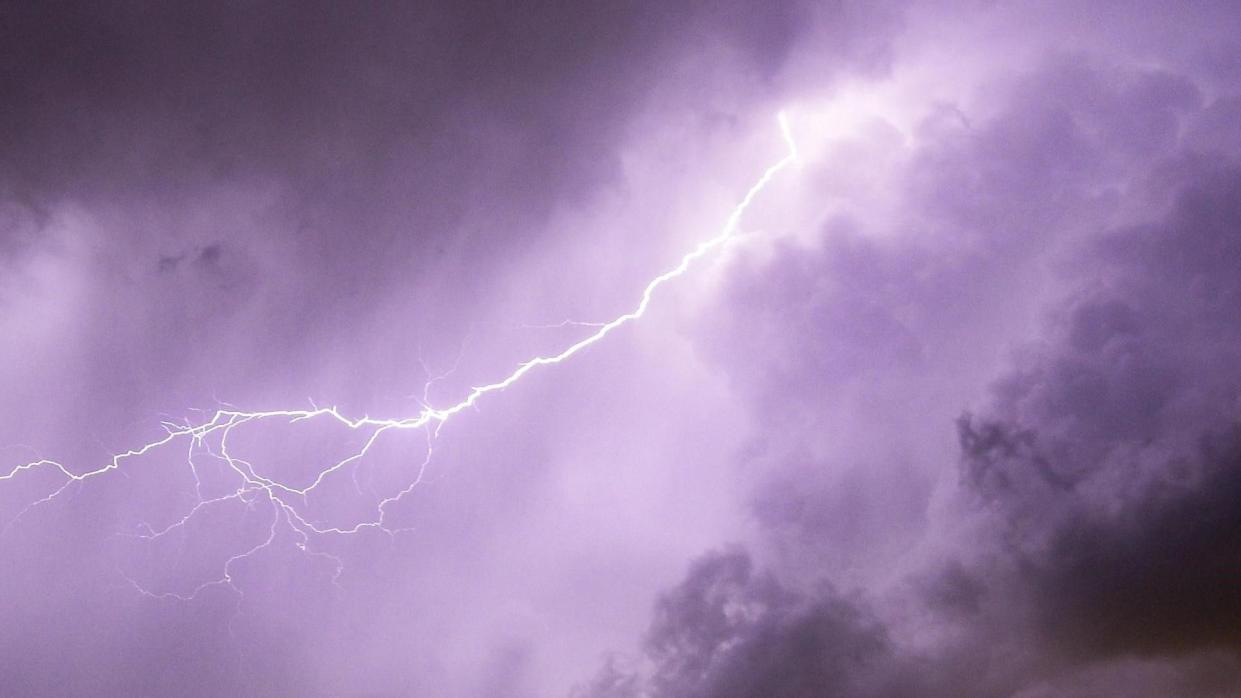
{"x": 1082, "y": 539}
{"x": 957, "y": 415}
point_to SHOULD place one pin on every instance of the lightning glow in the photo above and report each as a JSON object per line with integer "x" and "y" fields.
{"x": 254, "y": 489}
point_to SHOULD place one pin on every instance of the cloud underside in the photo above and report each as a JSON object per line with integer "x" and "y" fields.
{"x": 981, "y": 397}
{"x": 1095, "y": 500}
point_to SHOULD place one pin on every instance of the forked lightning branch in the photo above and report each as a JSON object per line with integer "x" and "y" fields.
{"x": 212, "y": 437}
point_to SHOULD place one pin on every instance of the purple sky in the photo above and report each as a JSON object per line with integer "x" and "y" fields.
{"x": 955, "y": 411}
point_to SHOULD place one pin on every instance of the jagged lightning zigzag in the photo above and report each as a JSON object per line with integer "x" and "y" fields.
{"x": 255, "y": 487}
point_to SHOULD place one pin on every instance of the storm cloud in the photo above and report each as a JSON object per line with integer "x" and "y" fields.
{"x": 956, "y": 413}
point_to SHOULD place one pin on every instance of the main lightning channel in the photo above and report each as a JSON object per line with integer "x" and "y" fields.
{"x": 253, "y": 484}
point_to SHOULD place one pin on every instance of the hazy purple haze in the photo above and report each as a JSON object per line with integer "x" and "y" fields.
{"x": 957, "y": 412}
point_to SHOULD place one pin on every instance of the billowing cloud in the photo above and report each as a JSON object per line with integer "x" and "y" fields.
{"x": 1058, "y": 280}
{"x": 956, "y": 414}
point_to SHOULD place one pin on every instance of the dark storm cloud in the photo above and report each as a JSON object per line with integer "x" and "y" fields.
{"x": 332, "y": 155}
{"x": 731, "y": 631}
{"x": 151, "y": 89}
{"x": 380, "y": 133}
{"x": 871, "y": 340}
{"x": 1091, "y": 545}
{"x": 260, "y": 202}
{"x": 280, "y": 198}
{"x": 269, "y": 171}
{"x": 148, "y": 94}
{"x": 1157, "y": 576}
{"x": 1110, "y": 457}
{"x": 1116, "y": 468}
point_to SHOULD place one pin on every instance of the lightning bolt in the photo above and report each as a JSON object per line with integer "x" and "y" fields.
{"x": 211, "y": 436}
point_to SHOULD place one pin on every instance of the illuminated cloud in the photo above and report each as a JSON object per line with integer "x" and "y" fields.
{"x": 951, "y": 410}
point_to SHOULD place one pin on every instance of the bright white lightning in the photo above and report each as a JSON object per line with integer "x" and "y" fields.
{"x": 254, "y": 488}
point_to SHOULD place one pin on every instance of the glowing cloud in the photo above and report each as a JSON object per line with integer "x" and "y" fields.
{"x": 212, "y": 436}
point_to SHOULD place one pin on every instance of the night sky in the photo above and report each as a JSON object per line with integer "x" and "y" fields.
{"x": 944, "y": 402}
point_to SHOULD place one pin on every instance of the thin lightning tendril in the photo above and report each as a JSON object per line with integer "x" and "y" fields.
{"x": 212, "y": 436}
